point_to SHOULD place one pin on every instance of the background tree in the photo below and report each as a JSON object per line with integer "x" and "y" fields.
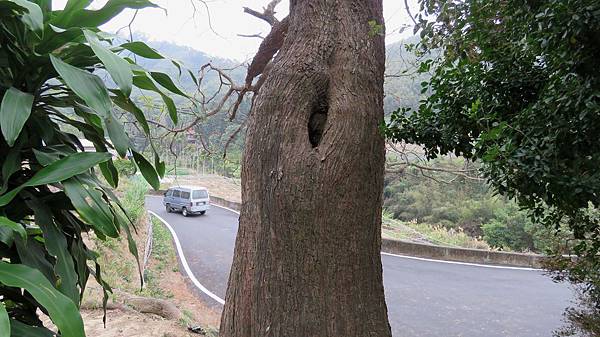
{"x": 517, "y": 86}
{"x": 51, "y": 192}
{"x": 307, "y": 257}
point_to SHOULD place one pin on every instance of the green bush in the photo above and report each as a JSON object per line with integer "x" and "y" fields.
{"x": 134, "y": 197}
{"x": 50, "y": 194}
{"x": 125, "y": 167}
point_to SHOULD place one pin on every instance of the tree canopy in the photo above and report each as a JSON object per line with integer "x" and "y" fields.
{"x": 517, "y": 86}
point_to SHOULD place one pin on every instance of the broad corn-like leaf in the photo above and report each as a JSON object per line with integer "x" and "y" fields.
{"x": 14, "y": 112}
{"x": 61, "y": 309}
{"x": 56, "y": 244}
{"x": 4, "y": 322}
{"x": 91, "y": 89}
{"x": 35, "y": 18}
{"x": 127, "y": 104}
{"x": 146, "y": 83}
{"x": 13, "y": 226}
{"x": 92, "y": 208}
{"x": 117, "y": 134}
{"x": 166, "y": 82}
{"x": 142, "y": 49}
{"x": 60, "y": 170}
{"x": 96, "y": 18}
{"x": 147, "y": 170}
{"x": 87, "y": 86}
{"x": 19, "y": 330}
{"x": 117, "y": 67}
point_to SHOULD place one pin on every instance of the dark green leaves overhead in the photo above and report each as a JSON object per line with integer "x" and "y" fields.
{"x": 78, "y": 16}
{"x": 55, "y": 100}
{"x": 61, "y": 309}
{"x": 59, "y": 170}
{"x": 14, "y": 112}
{"x": 147, "y": 170}
{"x": 117, "y": 67}
{"x": 13, "y": 226}
{"x": 34, "y": 17}
{"x": 87, "y": 86}
{"x": 142, "y": 49}
{"x": 4, "y": 322}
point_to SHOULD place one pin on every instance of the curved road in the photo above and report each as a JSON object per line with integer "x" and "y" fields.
{"x": 424, "y": 298}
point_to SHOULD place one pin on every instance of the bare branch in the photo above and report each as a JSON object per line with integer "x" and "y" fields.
{"x": 257, "y": 35}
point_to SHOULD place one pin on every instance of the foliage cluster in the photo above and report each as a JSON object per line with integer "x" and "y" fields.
{"x": 517, "y": 87}
{"x": 50, "y": 193}
{"x": 125, "y": 168}
{"x": 462, "y": 204}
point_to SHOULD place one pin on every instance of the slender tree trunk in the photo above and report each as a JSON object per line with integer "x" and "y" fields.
{"x": 307, "y": 257}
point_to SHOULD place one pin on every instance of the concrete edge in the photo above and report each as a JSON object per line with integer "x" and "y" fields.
{"x": 477, "y": 256}
{"x": 444, "y": 253}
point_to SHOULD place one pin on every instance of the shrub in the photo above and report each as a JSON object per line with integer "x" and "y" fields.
{"x": 125, "y": 167}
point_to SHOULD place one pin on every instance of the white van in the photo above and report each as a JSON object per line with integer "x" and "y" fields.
{"x": 187, "y": 200}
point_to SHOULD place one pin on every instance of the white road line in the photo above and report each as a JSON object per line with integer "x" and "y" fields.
{"x": 186, "y": 266}
{"x": 459, "y": 263}
{"x": 229, "y": 209}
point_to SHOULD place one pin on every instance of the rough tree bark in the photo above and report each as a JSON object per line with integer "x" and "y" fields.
{"x": 307, "y": 258}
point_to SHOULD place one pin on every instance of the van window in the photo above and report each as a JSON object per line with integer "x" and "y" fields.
{"x": 176, "y": 193}
{"x": 199, "y": 194}
{"x": 169, "y": 193}
{"x": 185, "y": 195}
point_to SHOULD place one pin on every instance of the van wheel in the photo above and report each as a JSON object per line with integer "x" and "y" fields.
{"x": 184, "y": 212}
{"x": 168, "y": 208}
{"x": 202, "y": 213}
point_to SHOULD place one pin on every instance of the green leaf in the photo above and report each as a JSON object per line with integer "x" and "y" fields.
{"x": 14, "y": 112}
{"x": 19, "y": 330}
{"x": 109, "y": 171}
{"x": 13, "y": 226}
{"x": 166, "y": 82}
{"x": 96, "y": 18}
{"x": 97, "y": 214}
{"x": 60, "y": 170}
{"x": 127, "y": 104}
{"x": 35, "y": 18}
{"x": 86, "y": 85}
{"x": 161, "y": 167}
{"x": 142, "y": 49}
{"x": 4, "y": 322}
{"x": 147, "y": 170}
{"x": 92, "y": 90}
{"x": 56, "y": 244}
{"x": 117, "y": 135}
{"x": 75, "y": 5}
{"x": 146, "y": 83}
{"x": 61, "y": 309}
{"x": 116, "y": 66}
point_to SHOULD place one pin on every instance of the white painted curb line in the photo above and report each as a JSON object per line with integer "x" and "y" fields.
{"x": 186, "y": 266}
{"x": 459, "y": 263}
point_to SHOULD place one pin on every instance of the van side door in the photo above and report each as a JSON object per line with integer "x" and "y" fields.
{"x": 177, "y": 199}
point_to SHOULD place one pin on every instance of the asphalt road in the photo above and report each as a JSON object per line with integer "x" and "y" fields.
{"x": 424, "y": 298}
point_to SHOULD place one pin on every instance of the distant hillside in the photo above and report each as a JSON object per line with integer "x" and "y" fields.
{"x": 402, "y": 86}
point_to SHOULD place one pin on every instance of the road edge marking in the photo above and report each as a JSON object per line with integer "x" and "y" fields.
{"x": 184, "y": 262}
{"x": 460, "y": 263}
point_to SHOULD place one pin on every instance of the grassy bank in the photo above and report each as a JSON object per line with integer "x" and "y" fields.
{"x": 425, "y": 233}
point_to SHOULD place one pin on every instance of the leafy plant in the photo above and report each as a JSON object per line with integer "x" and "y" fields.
{"x": 517, "y": 87}
{"x": 50, "y": 193}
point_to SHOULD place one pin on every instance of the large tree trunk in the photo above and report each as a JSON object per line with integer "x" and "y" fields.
{"x": 307, "y": 257}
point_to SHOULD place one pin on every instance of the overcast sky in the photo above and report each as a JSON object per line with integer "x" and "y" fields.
{"x": 183, "y": 25}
